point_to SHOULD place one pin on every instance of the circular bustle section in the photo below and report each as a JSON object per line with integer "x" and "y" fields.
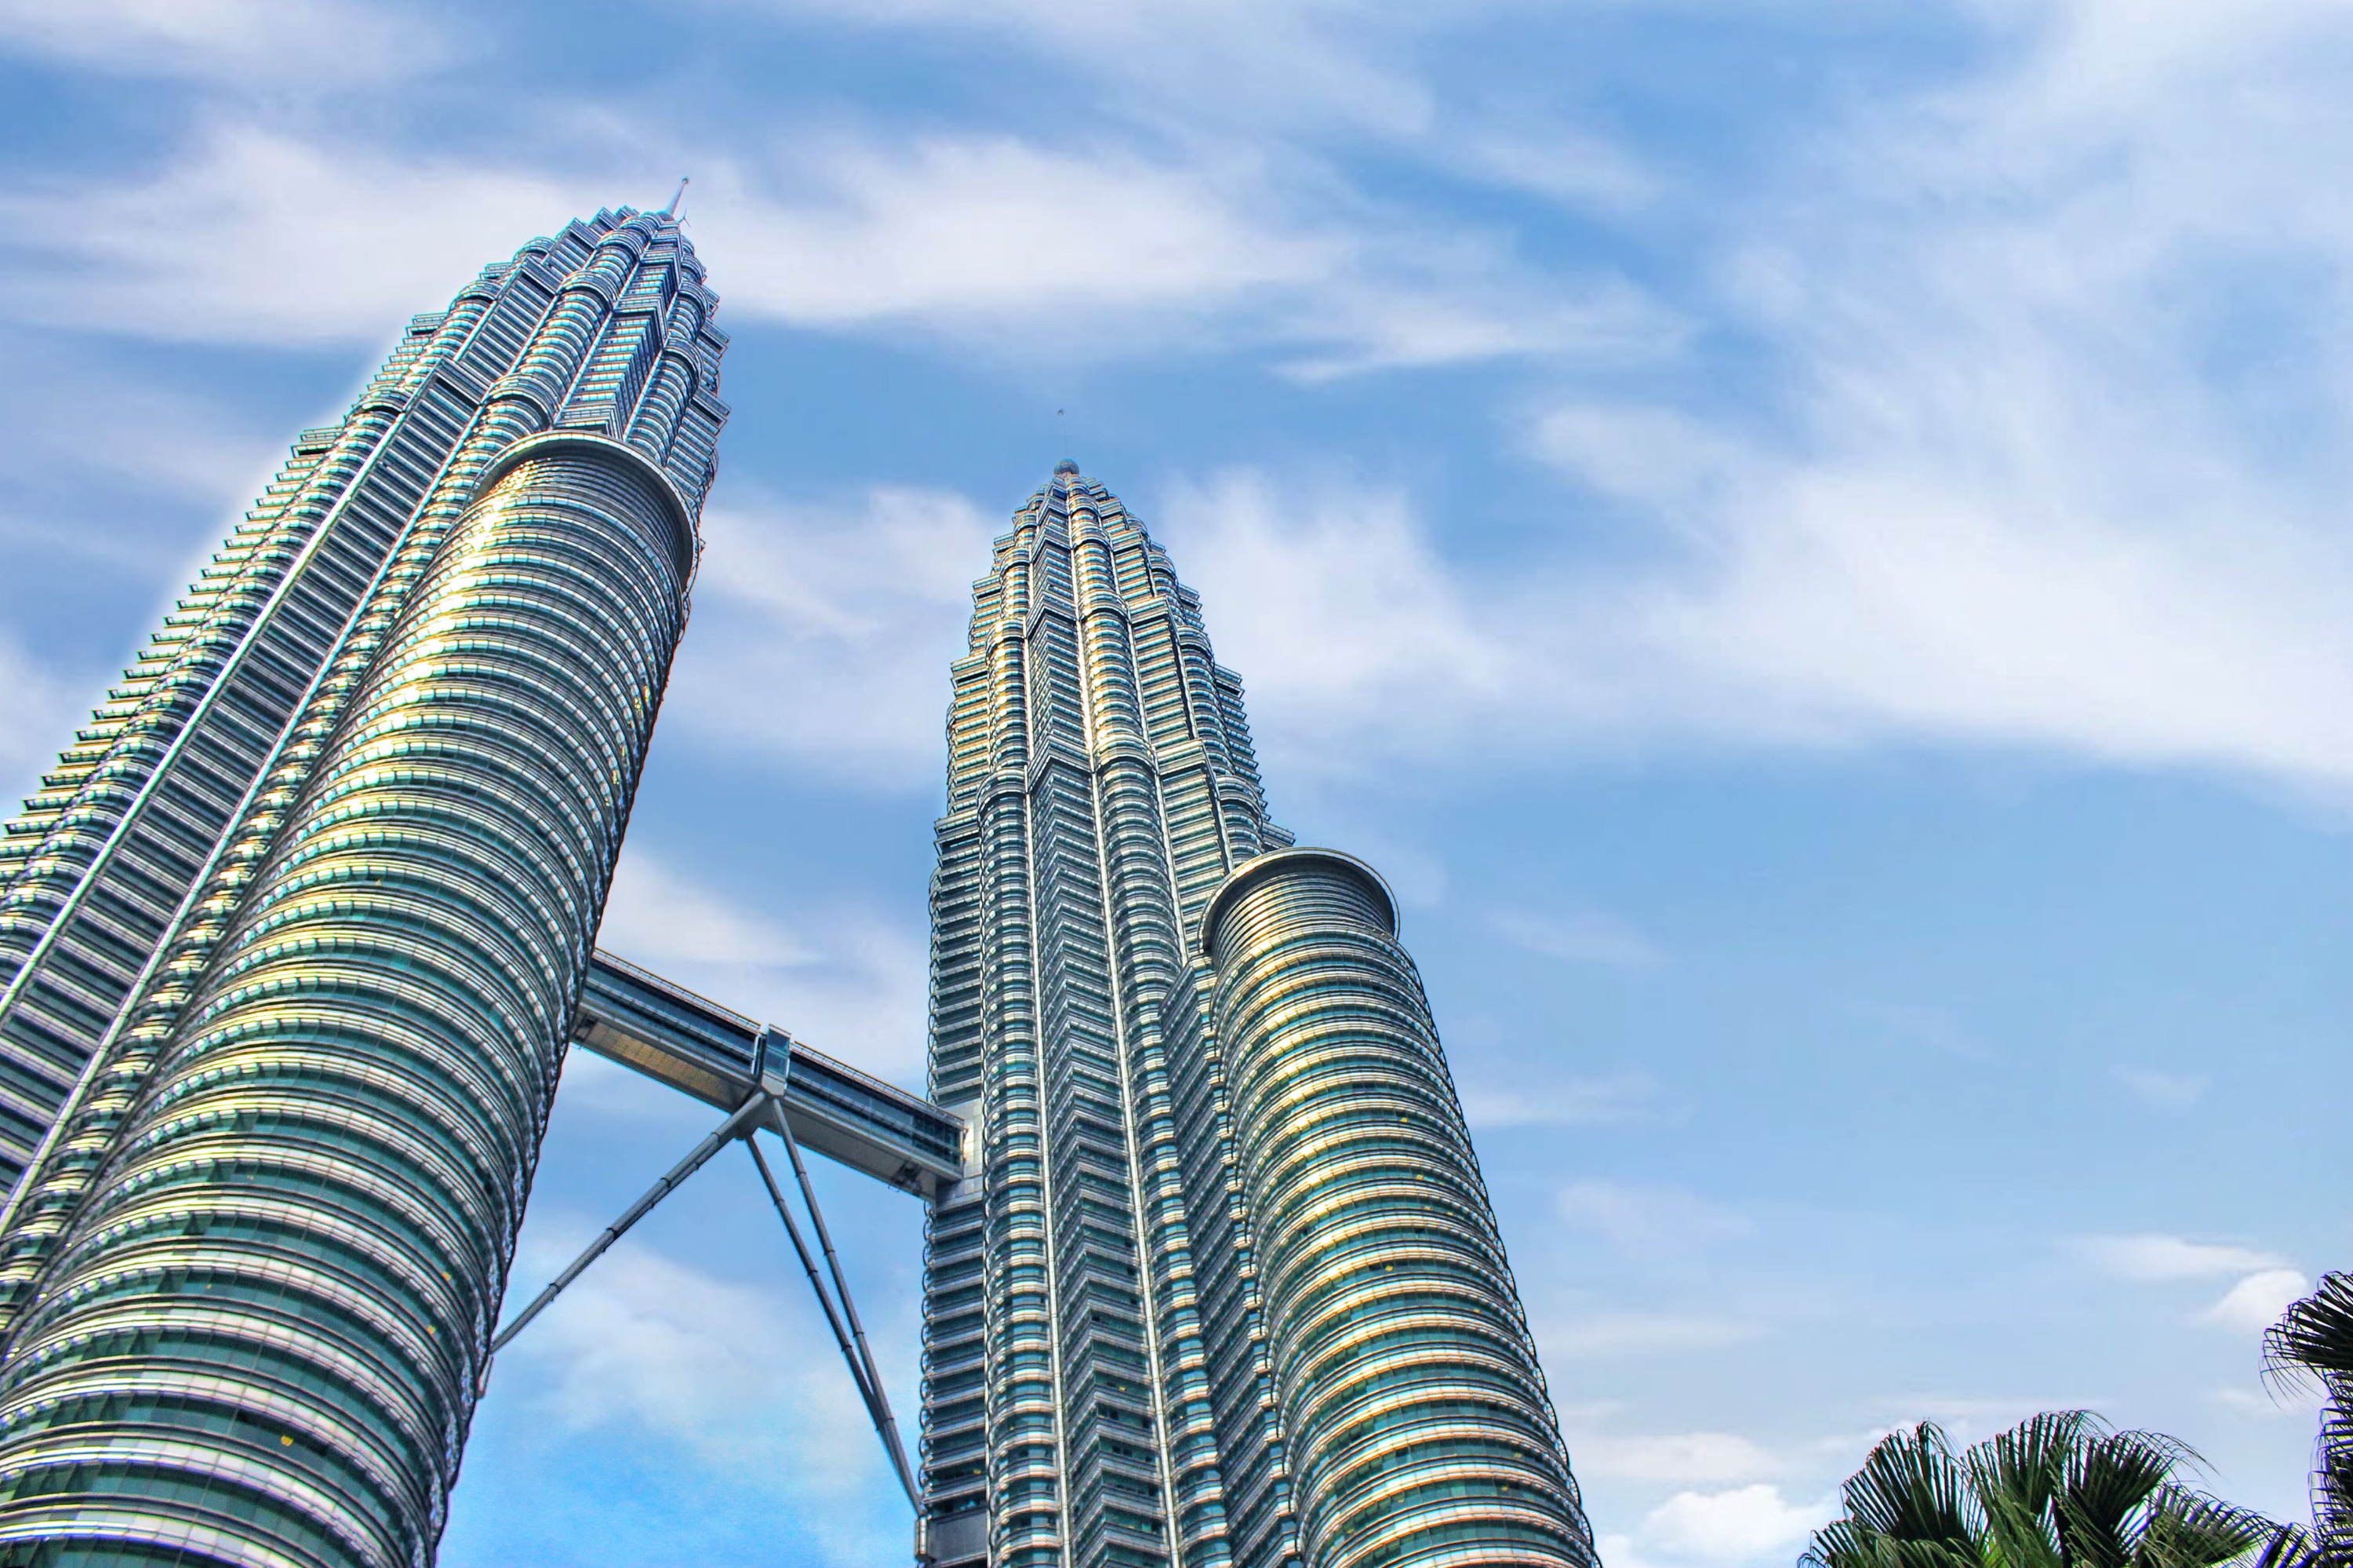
{"x": 1414, "y": 1415}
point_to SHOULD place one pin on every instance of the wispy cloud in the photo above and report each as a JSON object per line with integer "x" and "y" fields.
{"x": 170, "y": 253}
{"x": 1207, "y": 244}
{"x": 2265, "y": 1286}
{"x": 1644, "y": 1221}
{"x": 654, "y": 916}
{"x": 2007, "y": 475}
{"x": 1185, "y": 65}
{"x": 948, "y": 230}
{"x": 1580, "y": 936}
{"x": 2286, "y": 1400}
{"x": 1741, "y": 1525}
{"x": 1683, "y": 1458}
{"x": 2256, "y": 1303}
{"x": 298, "y": 45}
{"x": 2153, "y": 1256}
{"x": 106, "y": 430}
{"x": 1562, "y": 162}
{"x": 36, "y": 712}
{"x": 850, "y": 982}
{"x": 1185, "y": 251}
{"x": 847, "y": 614}
{"x": 1642, "y": 1334}
{"x": 739, "y": 1375}
{"x": 2163, "y": 1090}
{"x": 1538, "y": 1100}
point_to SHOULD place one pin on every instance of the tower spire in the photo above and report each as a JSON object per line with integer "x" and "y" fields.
{"x": 678, "y": 198}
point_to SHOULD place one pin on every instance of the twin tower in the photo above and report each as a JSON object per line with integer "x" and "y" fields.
{"x": 296, "y": 934}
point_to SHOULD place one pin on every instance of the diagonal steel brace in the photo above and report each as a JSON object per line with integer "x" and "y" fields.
{"x": 850, "y": 1335}
{"x": 728, "y": 1131}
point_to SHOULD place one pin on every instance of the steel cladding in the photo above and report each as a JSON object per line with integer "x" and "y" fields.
{"x": 367, "y": 807}
{"x": 292, "y": 939}
{"x": 1229, "y": 1290}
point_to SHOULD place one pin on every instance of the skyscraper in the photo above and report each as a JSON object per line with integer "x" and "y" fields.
{"x": 292, "y": 938}
{"x": 1224, "y": 1287}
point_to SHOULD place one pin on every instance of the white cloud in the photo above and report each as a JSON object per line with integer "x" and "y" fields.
{"x": 844, "y": 618}
{"x": 1745, "y": 1524}
{"x": 1580, "y": 936}
{"x": 1626, "y": 1334}
{"x": 1561, "y": 162}
{"x": 846, "y": 981}
{"x": 743, "y": 1377}
{"x": 1216, "y": 244}
{"x": 101, "y": 429}
{"x": 1461, "y": 302}
{"x": 966, "y": 228}
{"x": 2265, "y": 1286}
{"x": 1332, "y": 599}
{"x": 2156, "y": 1256}
{"x": 2286, "y": 1400}
{"x": 36, "y": 716}
{"x": 1685, "y": 1458}
{"x": 2163, "y": 1090}
{"x": 1541, "y": 1101}
{"x": 1931, "y": 1027}
{"x": 1186, "y": 64}
{"x": 654, "y": 917}
{"x": 1998, "y": 482}
{"x": 2256, "y": 1302}
{"x": 174, "y": 255}
{"x": 643, "y": 1339}
{"x": 969, "y": 236}
{"x": 289, "y": 43}
{"x": 599, "y": 1083}
{"x": 1648, "y": 1220}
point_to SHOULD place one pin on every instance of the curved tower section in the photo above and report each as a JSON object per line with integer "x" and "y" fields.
{"x": 251, "y": 1273}
{"x": 1417, "y": 1425}
{"x": 604, "y": 328}
{"x": 1127, "y": 1360}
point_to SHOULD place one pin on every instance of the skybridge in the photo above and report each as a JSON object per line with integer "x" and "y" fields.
{"x": 765, "y": 1081}
{"x": 722, "y": 1058}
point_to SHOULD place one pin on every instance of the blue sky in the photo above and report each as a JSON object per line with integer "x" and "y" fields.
{"x": 1808, "y": 539}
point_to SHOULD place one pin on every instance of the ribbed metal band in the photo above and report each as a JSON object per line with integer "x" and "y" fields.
{"x": 261, "y": 1337}
{"x": 1416, "y": 1423}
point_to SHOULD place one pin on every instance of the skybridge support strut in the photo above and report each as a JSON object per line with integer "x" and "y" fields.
{"x": 840, "y": 1312}
{"x": 859, "y": 1360}
{"x": 700, "y": 1155}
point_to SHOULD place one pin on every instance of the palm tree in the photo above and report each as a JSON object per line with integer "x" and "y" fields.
{"x": 2060, "y": 1490}
{"x": 2314, "y": 1342}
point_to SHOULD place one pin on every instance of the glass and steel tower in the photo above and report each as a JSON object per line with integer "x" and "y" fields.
{"x": 292, "y": 939}
{"x": 1224, "y": 1287}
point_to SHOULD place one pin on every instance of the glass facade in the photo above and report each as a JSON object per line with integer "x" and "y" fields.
{"x": 1225, "y": 1289}
{"x": 292, "y": 939}
{"x": 294, "y": 935}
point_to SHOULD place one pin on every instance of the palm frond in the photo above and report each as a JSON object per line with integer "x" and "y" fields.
{"x": 1838, "y": 1544}
{"x": 2291, "y": 1546}
{"x": 2312, "y": 1344}
{"x": 1844, "y": 1544}
{"x": 2332, "y": 1484}
{"x": 2184, "y": 1529}
{"x": 1912, "y": 1488}
{"x": 2314, "y": 1336}
{"x": 2017, "y": 1477}
{"x": 2109, "y": 1481}
{"x": 2060, "y": 1490}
